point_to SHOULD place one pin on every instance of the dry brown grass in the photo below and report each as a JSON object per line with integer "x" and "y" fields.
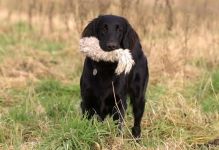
{"x": 194, "y": 34}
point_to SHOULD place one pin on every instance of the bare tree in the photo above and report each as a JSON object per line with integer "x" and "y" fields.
{"x": 31, "y": 7}
{"x": 169, "y": 15}
{"x": 50, "y": 14}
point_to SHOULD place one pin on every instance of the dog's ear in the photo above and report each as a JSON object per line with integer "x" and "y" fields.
{"x": 130, "y": 37}
{"x": 90, "y": 29}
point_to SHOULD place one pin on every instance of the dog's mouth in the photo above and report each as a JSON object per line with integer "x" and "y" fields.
{"x": 108, "y": 48}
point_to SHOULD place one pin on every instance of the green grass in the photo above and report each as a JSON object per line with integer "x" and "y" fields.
{"x": 21, "y": 35}
{"x": 208, "y": 92}
{"x": 210, "y": 104}
{"x": 64, "y": 126}
{"x": 58, "y": 99}
{"x": 47, "y": 45}
{"x": 73, "y": 132}
{"x": 21, "y": 124}
{"x": 70, "y": 130}
{"x": 156, "y": 92}
{"x": 22, "y": 27}
{"x": 13, "y": 34}
{"x": 59, "y": 123}
{"x": 215, "y": 82}
{"x": 6, "y": 42}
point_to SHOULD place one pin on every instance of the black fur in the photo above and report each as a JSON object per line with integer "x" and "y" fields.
{"x": 96, "y": 90}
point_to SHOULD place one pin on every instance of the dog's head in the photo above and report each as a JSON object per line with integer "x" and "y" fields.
{"x": 113, "y": 32}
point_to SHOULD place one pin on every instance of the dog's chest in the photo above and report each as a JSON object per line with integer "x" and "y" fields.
{"x": 102, "y": 84}
{"x": 102, "y": 75}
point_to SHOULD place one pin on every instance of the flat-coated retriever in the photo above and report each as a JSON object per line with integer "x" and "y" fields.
{"x": 96, "y": 80}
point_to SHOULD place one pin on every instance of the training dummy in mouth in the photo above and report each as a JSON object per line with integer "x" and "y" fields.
{"x": 90, "y": 47}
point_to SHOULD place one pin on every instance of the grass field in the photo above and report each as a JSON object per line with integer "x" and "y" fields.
{"x": 40, "y": 70}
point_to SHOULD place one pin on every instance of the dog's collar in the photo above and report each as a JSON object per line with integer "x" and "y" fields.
{"x": 94, "y": 71}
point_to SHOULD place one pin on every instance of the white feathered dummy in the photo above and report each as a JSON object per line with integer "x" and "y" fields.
{"x": 90, "y": 47}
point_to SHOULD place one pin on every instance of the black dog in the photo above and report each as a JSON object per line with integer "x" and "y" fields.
{"x": 96, "y": 80}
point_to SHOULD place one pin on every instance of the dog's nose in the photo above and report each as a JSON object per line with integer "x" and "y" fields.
{"x": 112, "y": 45}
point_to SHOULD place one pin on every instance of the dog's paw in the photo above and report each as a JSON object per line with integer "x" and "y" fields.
{"x": 136, "y": 132}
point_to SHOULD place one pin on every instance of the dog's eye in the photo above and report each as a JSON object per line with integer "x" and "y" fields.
{"x": 105, "y": 29}
{"x": 118, "y": 29}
